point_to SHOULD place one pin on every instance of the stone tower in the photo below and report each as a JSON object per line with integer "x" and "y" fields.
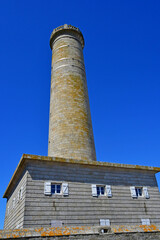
{"x": 70, "y": 126}
{"x": 71, "y": 190}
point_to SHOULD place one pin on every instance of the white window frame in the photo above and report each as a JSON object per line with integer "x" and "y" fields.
{"x": 104, "y": 189}
{"x": 47, "y": 188}
{"x": 135, "y": 194}
{"x": 63, "y": 191}
{"x": 146, "y": 193}
{"x": 17, "y": 226}
{"x": 20, "y": 194}
{"x": 56, "y": 223}
{"x": 107, "y": 190}
{"x": 8, "y": 210}
{"x": 95, "y": 192}
{"x": 145, "y": 221}
{"x": 13, "y": 203}
{"x": 56, "y": 184}
{"x": 104, "y": 222}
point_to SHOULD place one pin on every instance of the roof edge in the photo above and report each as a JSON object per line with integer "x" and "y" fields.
{"x": 92, "y": 163}
{"x": 73, "y": 161}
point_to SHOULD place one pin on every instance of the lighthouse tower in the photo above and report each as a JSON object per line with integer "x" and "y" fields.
{"x": 69, "y": 188}
{"x": 70, "y": 126}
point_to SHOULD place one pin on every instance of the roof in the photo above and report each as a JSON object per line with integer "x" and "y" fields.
{"x": 30, "y": 157}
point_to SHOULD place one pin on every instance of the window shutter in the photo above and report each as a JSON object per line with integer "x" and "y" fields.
{"x": 65, "y": 189}
{"x": 21, "y": 193}
{"x": 148, "y": 222}
{"x": 13, "y": 202}
{"x": 56, "y": 223}
{"x": 145, "y": 191}
{"x": 133, "y": 192}
{"x": 47, "y": 188}
{"x": 94, "y": 190}
{"x": 102, "y": 222}
{"x": 18, "y": 196}
{"x": 108, "y": 191}
{"x": 145, "y": 221}
{"x": 107, "y": 222}
{"x": 17, "y": 226}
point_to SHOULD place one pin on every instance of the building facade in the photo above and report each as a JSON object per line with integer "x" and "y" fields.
{"x": 69, "y": 187}
{"x": 48, "y": 191}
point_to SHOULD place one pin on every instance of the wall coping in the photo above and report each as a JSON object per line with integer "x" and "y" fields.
{"x": 64, "y": 29}
{"x": 76, "y": 230}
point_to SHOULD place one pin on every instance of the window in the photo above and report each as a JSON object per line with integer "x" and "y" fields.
{"x": 56, "y": 223}
{"x": 8, "y": 210}
{"x": 145, "y": 221}
{"x": 104, "y": 222}
{"x": 20, "y": 194}
{"x": 100, "y": 190}
{"x": 137, "y": 192}
{"x": 145, "y": 192}
{"x": 17, "y": 226}
{"x": 55, "y": 188}
{"x": 13, "y": 202}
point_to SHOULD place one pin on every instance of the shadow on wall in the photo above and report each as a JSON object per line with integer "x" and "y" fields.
{"x": 91, "y": 174}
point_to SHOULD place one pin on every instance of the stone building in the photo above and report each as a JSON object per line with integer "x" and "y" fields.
{"x": 69, "y": 187}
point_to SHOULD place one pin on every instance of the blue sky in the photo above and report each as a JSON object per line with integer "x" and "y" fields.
{"x": 122, "y": 59}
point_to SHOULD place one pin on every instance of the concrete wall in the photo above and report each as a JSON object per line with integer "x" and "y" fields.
{"x": 16, "y": 202}
{"x": 80, "y": 207}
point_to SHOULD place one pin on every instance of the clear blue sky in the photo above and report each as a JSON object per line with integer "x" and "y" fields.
{"x": 122, "y": 58}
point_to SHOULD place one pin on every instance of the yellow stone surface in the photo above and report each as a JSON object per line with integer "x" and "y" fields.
{"x": 70, "y": 126}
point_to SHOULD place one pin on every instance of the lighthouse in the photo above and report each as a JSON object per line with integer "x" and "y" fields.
{"x": 69, "y": 187}
{"x": 70, "y": 125}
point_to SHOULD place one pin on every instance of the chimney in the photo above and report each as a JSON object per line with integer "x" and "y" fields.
{"x": 70, "y": 126}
